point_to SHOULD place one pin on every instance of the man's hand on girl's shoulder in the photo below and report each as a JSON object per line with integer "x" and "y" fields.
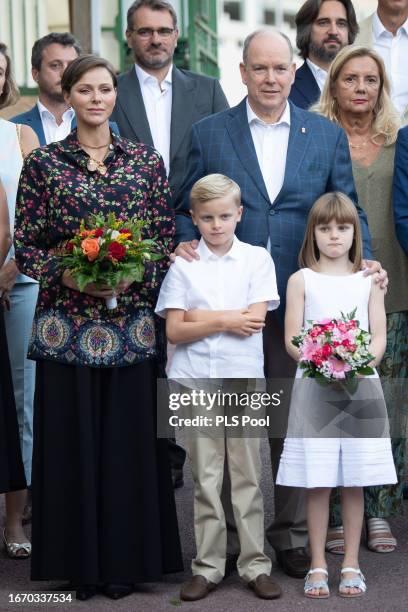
{"x": 186, "y": 250}
{"x": 370, "y": 266}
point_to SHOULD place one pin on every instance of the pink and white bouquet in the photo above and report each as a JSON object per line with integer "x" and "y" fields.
{"x": 334, "y": 350}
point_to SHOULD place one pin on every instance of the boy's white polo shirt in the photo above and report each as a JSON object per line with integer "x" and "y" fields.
{"x": 243, "y": 276}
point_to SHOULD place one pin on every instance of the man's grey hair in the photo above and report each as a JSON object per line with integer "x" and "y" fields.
{"x": 256, "y": 33}
{"x": 153, "y": 5}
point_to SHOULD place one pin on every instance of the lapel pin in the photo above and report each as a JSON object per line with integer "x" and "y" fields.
{"x": 303, "y": 130}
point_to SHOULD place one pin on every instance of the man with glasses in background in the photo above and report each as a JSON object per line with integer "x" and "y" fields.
{"x": 158, "y": 103}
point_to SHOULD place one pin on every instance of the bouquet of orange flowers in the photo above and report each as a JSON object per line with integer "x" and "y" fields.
{"x": 107, "y": 250}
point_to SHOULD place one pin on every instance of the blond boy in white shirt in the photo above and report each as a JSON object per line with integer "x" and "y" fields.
{"x": 215, "y": 309}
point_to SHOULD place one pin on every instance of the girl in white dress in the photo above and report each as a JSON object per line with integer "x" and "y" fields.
{"x": 330, "y": 283}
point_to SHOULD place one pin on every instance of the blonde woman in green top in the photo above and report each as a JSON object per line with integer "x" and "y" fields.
{"x": 356, "y": 96}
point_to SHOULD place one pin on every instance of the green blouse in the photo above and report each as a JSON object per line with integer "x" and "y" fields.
{"x": 374, "y": 189}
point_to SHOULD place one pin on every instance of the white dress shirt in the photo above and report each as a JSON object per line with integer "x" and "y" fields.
{"x": 157, "y": 99}
{"x": 52, "y": 131}
{"x": 394, "y": 52}
{"x": 271, "y": 146}
{"x": 243, "y": 276}
{"x": 319, "y": 74}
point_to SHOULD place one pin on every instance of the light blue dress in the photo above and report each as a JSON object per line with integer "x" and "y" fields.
{"x": 23, "y": 300}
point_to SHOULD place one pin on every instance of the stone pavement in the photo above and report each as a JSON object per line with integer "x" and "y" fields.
{"x": 386, "y": 574}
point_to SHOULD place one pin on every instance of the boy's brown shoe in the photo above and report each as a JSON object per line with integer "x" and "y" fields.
{"x": 196, "y": 588}
{"x": 265, "y": 588}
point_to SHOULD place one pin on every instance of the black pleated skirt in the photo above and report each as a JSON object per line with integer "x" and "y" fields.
{"x": 11, "y": 466}
{"x": 103, "y": 503}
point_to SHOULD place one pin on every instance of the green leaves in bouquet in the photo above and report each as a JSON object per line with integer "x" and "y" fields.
{"x": 350, "y": 383}
{"x": 297, "y": 340}
{"x": 350, "y": 316}
{"x": 366, "y": 370}
{"x": 109, "y": 268}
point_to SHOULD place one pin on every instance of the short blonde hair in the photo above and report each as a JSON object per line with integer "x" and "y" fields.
{"x": 334, "y": 205}
{"x": 386, "y": 121}
{"x": 214, "y": 186}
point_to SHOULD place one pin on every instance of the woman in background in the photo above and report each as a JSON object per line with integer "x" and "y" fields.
{"x": 11, "y": 466}
{"x": 356, "y": 95}
{"x": 17, "y": 141}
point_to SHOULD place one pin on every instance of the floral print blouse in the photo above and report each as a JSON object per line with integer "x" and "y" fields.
{"x": 56, "y": 191}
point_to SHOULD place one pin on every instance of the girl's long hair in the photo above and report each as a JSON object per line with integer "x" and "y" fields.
{"x": 337, "y": 206}
{"x": 386, "y": 121}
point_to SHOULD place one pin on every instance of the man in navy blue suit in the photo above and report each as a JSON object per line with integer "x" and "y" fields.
{"x": 323, "y": 27}
{"x": 283, "y": 158}
{"x": 400, "y": 190}
{"x": 51, "y": 118}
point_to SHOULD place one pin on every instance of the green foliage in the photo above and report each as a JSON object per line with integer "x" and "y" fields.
{"x": 94, "y": 261}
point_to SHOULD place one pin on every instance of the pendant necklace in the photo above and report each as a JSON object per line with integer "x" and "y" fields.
{"x": 93, "y": 164}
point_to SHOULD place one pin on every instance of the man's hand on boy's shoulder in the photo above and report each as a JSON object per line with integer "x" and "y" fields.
{"x": 186, "y": 250}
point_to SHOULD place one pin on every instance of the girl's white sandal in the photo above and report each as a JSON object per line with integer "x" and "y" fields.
{"x": 352, "y": 583}
{"x": 311, "y": 585}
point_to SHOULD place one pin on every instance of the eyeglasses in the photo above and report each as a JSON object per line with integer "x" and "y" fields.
{"x": 148, "y": 32}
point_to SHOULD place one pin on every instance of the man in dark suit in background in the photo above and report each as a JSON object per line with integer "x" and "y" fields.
{"x": 158, "y": 103}
{"x": 51, "y": 118}
{"x": 400, "y": 188}
{"x": 283, "y": 158}
{"x": 323, "y": 28}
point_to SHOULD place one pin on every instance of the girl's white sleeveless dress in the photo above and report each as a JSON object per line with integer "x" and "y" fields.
{"x": 335, "y": 438}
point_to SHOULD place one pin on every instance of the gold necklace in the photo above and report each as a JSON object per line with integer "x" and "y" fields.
{"x": 94, "y": 164}
{"x": 358, "y": 146}
{"x": 92, "y": 147}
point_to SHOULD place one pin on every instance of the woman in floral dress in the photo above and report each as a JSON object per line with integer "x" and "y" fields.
{"x": 103, "y": 506}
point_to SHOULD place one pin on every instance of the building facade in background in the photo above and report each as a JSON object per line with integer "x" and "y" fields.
{"x": 237, "y": 18}
{"x": 211, "y": 32}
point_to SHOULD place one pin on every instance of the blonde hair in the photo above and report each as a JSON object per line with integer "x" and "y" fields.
{"x": 214, "y": 186}
{"x": 331, "y": 206}
{"x": 386, "y": 121}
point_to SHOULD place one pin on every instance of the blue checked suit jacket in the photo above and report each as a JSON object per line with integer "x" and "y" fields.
{"x": 318, "y": 161}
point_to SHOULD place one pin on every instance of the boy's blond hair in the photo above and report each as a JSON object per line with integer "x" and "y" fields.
{"x": 214, "y": 186}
